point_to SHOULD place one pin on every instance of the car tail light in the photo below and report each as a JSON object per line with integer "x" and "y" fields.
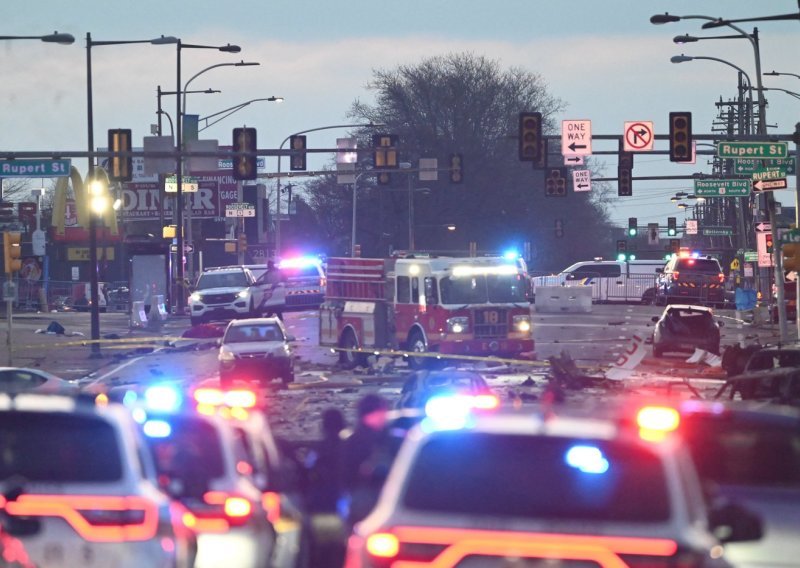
{"x": 382, "y": 545}
{"x": 721, "y": 277}
{"x": 485, "y": 402}
{"x": 221, "y": 511}
{"x": 271, "y": 502}
{"x": 655, "y": 422}
{"x": 675, "y": 275}
{"x": 96, "y": 518}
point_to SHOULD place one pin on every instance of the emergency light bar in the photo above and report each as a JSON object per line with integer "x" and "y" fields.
{"x": 505, "y": 269}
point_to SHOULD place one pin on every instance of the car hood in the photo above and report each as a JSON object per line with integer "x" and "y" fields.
{"x": 225, "y": 290}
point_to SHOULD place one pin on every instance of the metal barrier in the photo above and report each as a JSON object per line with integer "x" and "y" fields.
{"x": 138, "y": 316}
{"x": 627, "y": 288}
{"x": 560, "y": 299}
{"x": 158, "y": 311}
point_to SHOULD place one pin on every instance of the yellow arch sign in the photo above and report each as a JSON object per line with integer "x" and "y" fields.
{"x": 81, "y": 191}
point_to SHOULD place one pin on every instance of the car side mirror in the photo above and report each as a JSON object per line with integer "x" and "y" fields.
{"x": 655, "y": 319}
{"x": 291, "y": 338}
{"x": 730, "y": 522}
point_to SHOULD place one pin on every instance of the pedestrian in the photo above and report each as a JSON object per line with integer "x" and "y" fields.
{"x": 324, "y": 529}
{"x": 273, "y": 277}
{"x": 362, "y": 469}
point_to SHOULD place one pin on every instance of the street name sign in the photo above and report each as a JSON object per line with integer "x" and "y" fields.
{"x": 752, "y": 150}
{"x": 34, "y": 168}
{"x": 581, "y": 180}
{"x": 189, "y": 184}
{"x": 722, "y": 187}
{"x": 717, "y": 231}
{"x": 750, "y": 256}
{"x": 768, "y": 173}
{"x": 576, "y": 137}
{"x": 790, "y": 236}
{"x": 770, "y": 185}
{"x": 749, "y": 166}
{"x": 240, "y": 210}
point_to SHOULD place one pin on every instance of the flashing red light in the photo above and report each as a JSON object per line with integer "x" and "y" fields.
{"x": 655, "y": 422}
{"x": 721, "y": 277}
{"x": 271, "y": 502}
{"x": 675, "y": 275}
{"x": 383, "y": 545}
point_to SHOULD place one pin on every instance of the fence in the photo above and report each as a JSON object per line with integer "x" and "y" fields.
{"x": 69, "y": 296}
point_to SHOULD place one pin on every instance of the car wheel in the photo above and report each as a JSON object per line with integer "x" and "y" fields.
{"x": 649, "y": 297}
{"x": 350, "y": 359}
{"x": 416, "y": 344}
{"x": 658, "y": 351}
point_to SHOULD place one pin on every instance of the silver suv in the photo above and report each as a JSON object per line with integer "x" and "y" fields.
{"x": 223, "y": 293}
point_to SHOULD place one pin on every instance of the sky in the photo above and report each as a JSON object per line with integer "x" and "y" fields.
{"x": 603, "y": 58}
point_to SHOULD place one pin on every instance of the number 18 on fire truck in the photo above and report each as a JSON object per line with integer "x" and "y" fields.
{"x": 432, "y": 308}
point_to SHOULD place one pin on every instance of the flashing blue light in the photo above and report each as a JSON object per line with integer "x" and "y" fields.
{"x": 511, "y": 255}
{"x": 162, "y": 398}
{"x": 587, "y": 459}
{"x": 299, "y": 262}
{"x": 157, "y": 429}
{"x": 449, "y": 412}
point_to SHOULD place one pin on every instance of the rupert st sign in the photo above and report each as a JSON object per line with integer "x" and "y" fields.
{"x": 34, "y": 168}
{"x": 762, "y": 150}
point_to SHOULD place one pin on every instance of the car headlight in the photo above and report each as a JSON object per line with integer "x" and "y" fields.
{"x": 458, "y": 324}
{"x": 522, "y": 323}
{"x": 196, "y": 297}
{"x": 226, "y": 356}
{"x": 244, "y": 293}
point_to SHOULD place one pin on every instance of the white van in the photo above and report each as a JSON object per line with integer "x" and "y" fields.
{"x": 611, "y": 280}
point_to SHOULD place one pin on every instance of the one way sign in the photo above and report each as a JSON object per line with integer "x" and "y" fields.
{"x": 581, "y": 180}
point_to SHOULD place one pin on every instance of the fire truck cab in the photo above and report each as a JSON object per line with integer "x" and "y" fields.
{"x": 437, "y": 307}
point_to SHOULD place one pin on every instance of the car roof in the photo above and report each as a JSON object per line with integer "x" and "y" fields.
{"x": 224, "y": 269}
{"x": 688, "y": 307}
{"x": 254, "y": 321}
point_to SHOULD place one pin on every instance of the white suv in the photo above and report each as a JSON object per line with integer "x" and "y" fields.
{"x": 82, "y": 474}
{"x": 528, "y": 489}
{"x": 223, "y": 293}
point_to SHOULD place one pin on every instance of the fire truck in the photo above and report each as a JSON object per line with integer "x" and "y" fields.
{"x": 448, "y": 306}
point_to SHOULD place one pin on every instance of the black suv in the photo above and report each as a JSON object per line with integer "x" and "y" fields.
{"x": 691, "y": 280}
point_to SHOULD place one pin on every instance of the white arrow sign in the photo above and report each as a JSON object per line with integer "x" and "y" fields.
{"x": 581, "y": 180}
{"x": 763, "y": 185}
{"x": 576, "y": 137}
{"x": 764, "y": 227}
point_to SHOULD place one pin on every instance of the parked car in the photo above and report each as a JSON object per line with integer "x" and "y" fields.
{"x": 82, "y": 471}
{"x": 303, "y": 287}
{"x": 778, "y": 386}
{"x": 773, "y": 357}
{"x": 256, "y": 349}
{"x": 421, "y": 386}
{"x": 696, "y": 280}
{"x": 543, "y": 488}
{"x": 750, "y": 454}
{"x": 686, "y": 328}
{"x": 22, "y": 379}
{"x": 222, "y": 293}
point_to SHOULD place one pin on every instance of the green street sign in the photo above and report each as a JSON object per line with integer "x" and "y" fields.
{"x": 34, "y": 168}
{"x": 751, "y": 256}
{"x": 749, "y": 166}
{"x": 738, "y": 150}
{"x": 717, "y": 231}
{"x": 722, "y": 187}
{"x": 790, "y": 236}
{"x": 769, "y": 173}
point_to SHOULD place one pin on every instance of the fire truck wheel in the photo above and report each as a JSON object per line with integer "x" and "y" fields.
{"x": 350, "y": 359}
{"x": 416, "y": 344}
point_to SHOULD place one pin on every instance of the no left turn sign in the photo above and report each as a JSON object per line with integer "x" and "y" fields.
{"x": 638, "y": 136}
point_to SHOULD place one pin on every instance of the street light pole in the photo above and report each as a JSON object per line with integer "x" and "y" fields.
{"x": 233, "y": 109}
{"x": 91, "y": 178}
{"x": 278, "y": 195}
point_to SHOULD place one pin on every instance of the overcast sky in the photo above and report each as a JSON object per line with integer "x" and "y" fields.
{"x": 603, "y": 58}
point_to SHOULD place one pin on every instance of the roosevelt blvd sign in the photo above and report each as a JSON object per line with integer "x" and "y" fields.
{"x": 752, "y": 149}
{"x": 722, "y": 187}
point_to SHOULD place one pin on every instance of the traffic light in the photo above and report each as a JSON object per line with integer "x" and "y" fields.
{"x": 624, "y": 172}
{"x": 672, "y": 226}
{"x": 633, "y": 226}
{"x": 675, "y": 246}
{"x": 120, "y": 168}
{"x": 680, "y": 137}
{"x": 456, "y": 171}
{"x": 770, "y": 246}
{"x": 384, "y": 156}
{"x": 244, "y": 140}
{"x": 298, "y": 160}
{"x": 12, "y": 251}
{"x": 6, "y": 211}
{"x": 555, "y": 183}
{"x": 559, "y": 228}
{"x": 530, "y": 136}
{"x": 622, "y": 249}
{"x": 791, "y": 257}
{"x": 242, "y": 242}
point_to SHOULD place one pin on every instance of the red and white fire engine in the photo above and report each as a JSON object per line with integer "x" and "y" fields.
{"x": 427, "y": 304}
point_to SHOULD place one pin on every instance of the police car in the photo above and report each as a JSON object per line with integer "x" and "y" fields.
{"x": 524, "y": 489}
{"x": 303, "y": 287}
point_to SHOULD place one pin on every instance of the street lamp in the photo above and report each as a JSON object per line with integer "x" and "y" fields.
{"x": 776, "y": 74}
{"x": 792, "y": 93}
{"x": 233, "y": 109}
{"x": 94, "y": 293}
{"x": 55, "y": 37}
{"x": 278, "y": 195}
{"x": 228, "y": 48}
{"x": 353, "y": 227}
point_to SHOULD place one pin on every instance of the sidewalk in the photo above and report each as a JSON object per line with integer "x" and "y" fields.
{"x": 70, "y": 355}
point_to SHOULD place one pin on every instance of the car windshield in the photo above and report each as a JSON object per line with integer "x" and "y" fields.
{"x": 688, "y": 321}
{"x": 482, "y": 289}
{"x": 770, "y": 359}
{"x": 222, "y": 280}
{"x": 735, "y": 451}
{"x": 537, "y": 477}
{"x": 58, "y": 448}
{"x": 249, "y": 333}
{"x": 191, "y": 453}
